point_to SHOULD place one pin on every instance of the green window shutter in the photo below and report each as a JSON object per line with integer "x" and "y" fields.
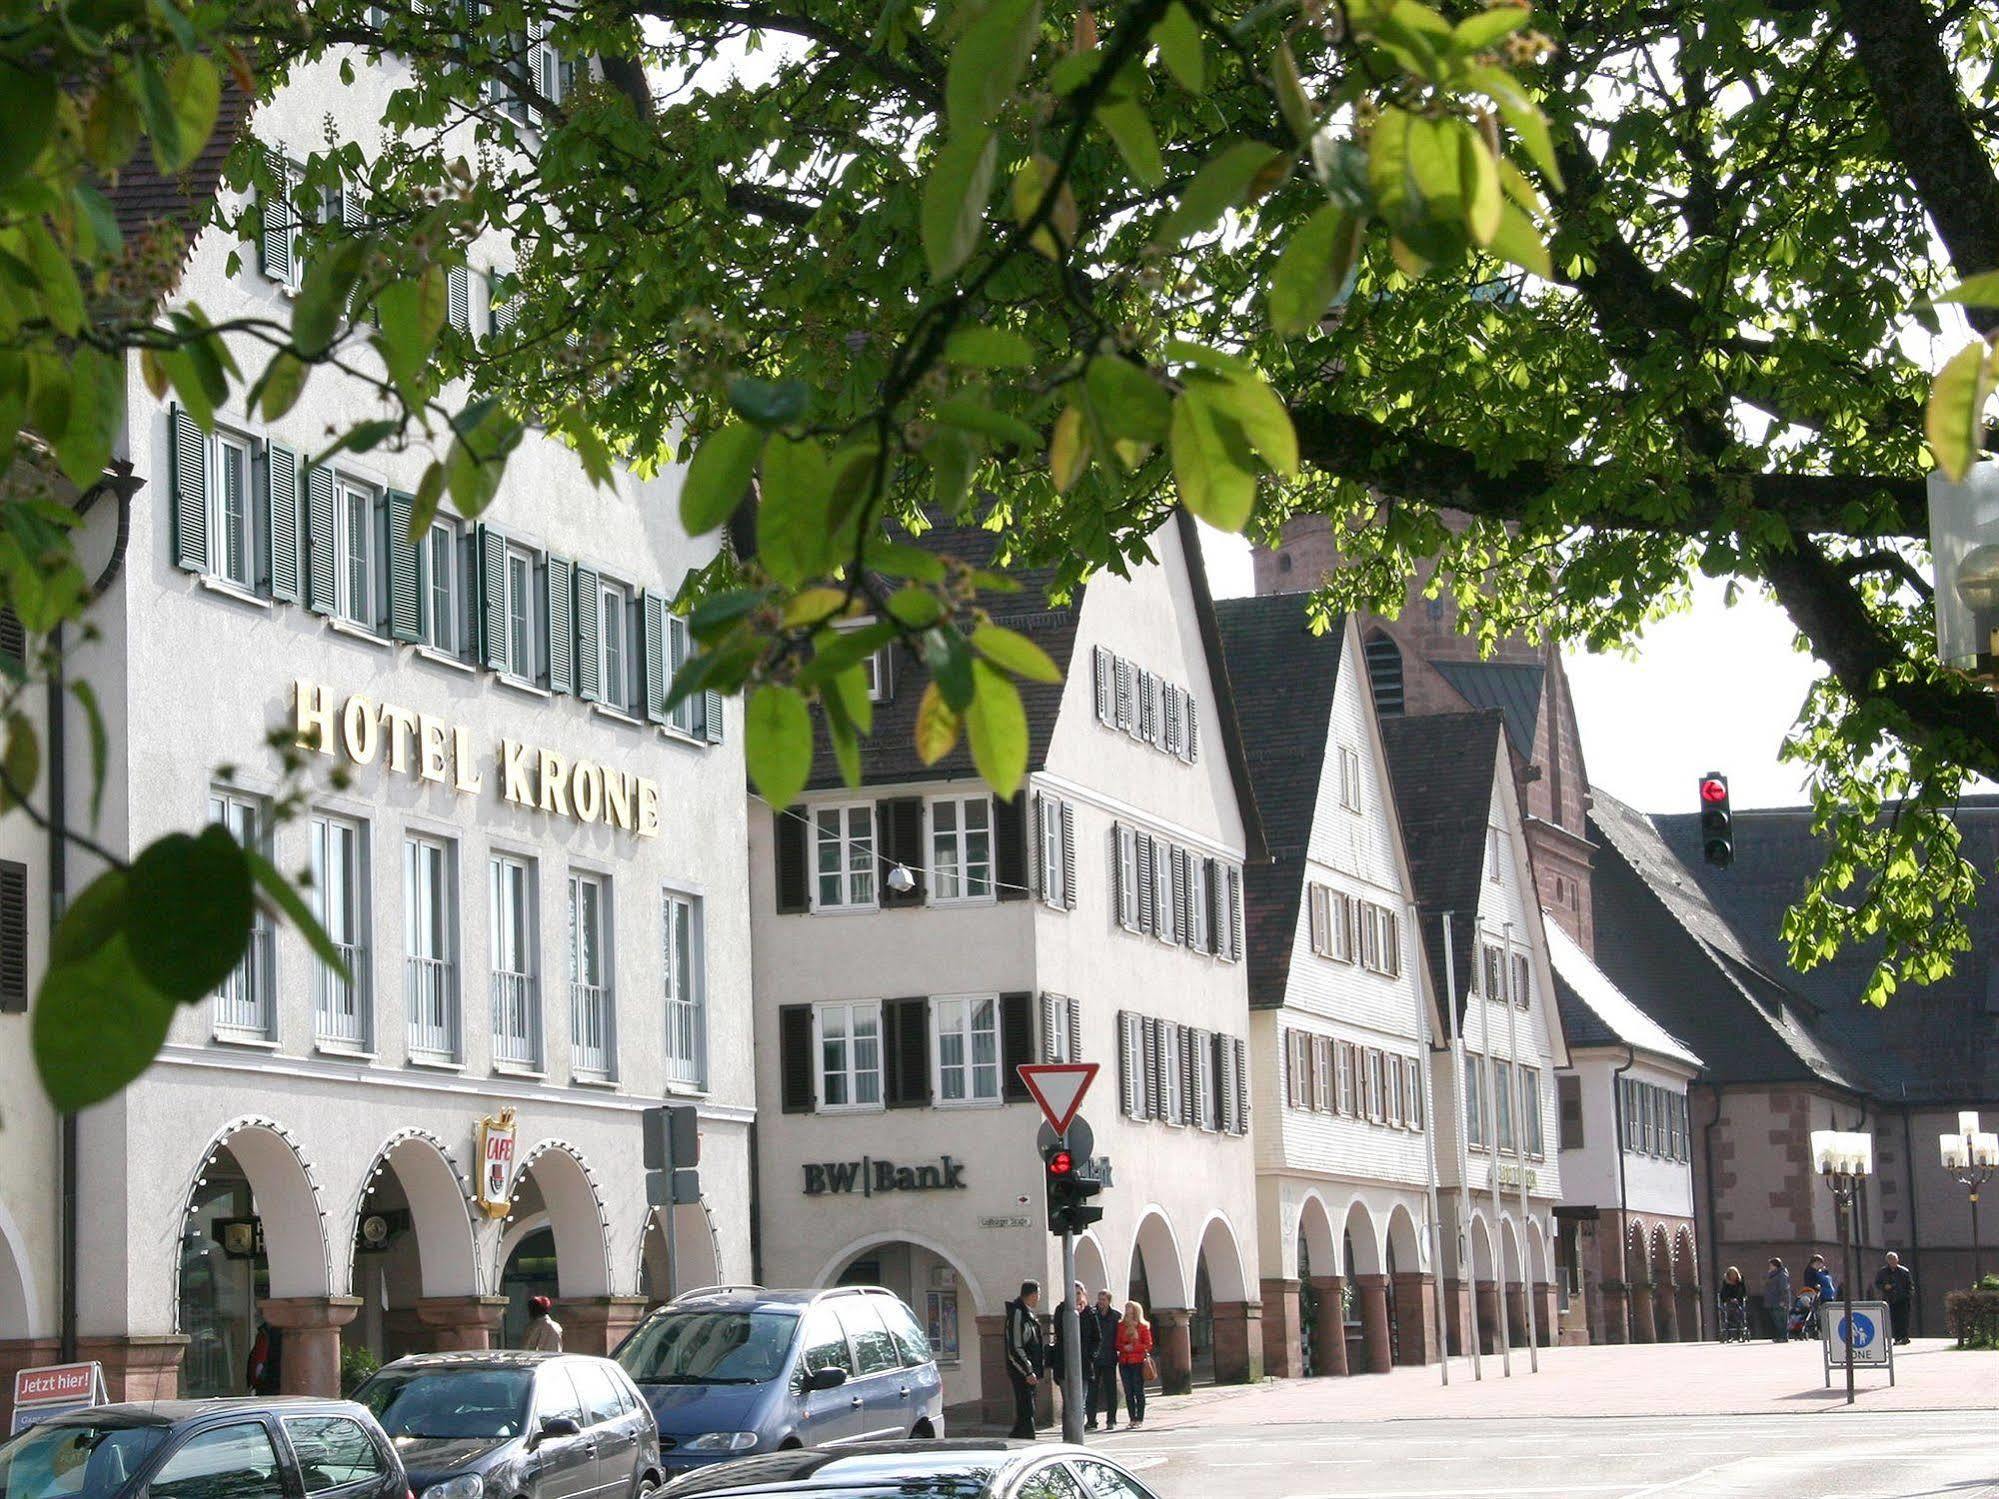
{"x": 652, "y": 622}
{"x": 492, "y": 567}
{"x": 405, "y": 584}
{"x": 589, "y": 687}
{"x": 187, "y": 459}
{"x": 281, "y": 521}
{"x": 711, "y": 716}
{"x": 458, "y": 298}
{"x": 275, "y": 246}
{"x": 558, "y": 608}
{"x": 321, "y": 558}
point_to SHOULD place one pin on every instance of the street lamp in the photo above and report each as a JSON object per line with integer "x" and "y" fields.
{"x": 1844, "y": 1158}
{"x": 1972, "y": 1156}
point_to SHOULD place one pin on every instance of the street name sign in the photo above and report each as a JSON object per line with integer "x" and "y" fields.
{"x": 1058, "y": 1087}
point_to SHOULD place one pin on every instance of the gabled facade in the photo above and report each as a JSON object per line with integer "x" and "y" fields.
{"x": 1097, "y": 917}
{"x": 1341, "y": 1020}
{"x": 1487, "y": 953}
{"x": 1625, "y": 1242}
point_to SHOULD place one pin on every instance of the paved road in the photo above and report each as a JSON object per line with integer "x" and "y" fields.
{"x": 1818, "y": 1455}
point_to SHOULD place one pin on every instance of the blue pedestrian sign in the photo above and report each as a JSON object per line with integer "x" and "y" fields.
{"x": 1867, "y": 1329}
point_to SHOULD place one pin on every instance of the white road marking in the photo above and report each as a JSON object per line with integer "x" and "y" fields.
{"x": 1485, "y": 1491}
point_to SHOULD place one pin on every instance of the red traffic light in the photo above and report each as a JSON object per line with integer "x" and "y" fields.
{"x": 1714, "y": 789}
{"x": 1061, "y": 1163}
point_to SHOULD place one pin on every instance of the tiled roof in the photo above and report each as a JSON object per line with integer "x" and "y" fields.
{"x": 1283, "y": 676}
{"x": 1443, "y": 765}
{"x": 1932, "y": 1041}
{"x": 1512, "y": 688}
{"x": 144, "y": 199}
{"x": 1668, "y": 947}
{"x": 1595, "y": 1011}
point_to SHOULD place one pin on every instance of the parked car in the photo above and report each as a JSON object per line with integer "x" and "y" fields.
{"x": 920, "y": 1470}
{"x": 506, "y": 1424}
{"x": 731, "y": 1370}
{"x": 205, "y": 1449}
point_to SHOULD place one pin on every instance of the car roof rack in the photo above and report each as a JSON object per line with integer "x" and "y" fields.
{"x": 717, "y": 1290}
{"x": 852, "y": 1291}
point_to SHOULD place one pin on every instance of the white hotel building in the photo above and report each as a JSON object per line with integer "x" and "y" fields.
{"x": 537, "y": 874}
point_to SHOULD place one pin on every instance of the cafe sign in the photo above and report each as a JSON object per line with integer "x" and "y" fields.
{"x": 426, "y": 748}
{"x": 496, "y": 1164}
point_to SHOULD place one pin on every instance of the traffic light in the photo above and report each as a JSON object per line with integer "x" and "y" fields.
{"x": 1717, "y": 824}
{"x": 1069, "y": 1192}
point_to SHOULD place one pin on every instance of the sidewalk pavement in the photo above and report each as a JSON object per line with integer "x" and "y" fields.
{"x": 1657, "y": 1379}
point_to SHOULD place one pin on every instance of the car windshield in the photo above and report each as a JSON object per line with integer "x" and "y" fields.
{"x": 75, "y": 1461}
{"x": 710, "y": 1347}
{"x": 489, "y": 1403}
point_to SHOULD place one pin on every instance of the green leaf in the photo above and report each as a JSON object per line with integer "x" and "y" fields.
{"x": 1211, "y": 464}
{"x": 95, "y": 916}
{"x": 1068, "y": 448}
{"x": 769, "y": 403}
{"x": 777, "y": 742}
{"x": 283, "y": 383}
{"x": 1221, "y": 184}
{"x": 792, "y": 535}
{"x": 1981, "y": 290}
{"x": 1015, "y": 653}
{"x": 1476, "y": 33}
{"x": 719, "y": 477}
{"x": 1254, "y": 407}
{"x": 1030, "y": 185}
{"x": 195, "y": 87}
{"x": 1315, "y": 269}
{"x": 96, "y": 415}
{"x": 970, "y": 416}
{"x": 22, "y": 761}
{"x": 1478, "y": 184}
{"x": 950, "y": 663}
{"x": 936, "y": 726}
{"x": 951, "y": 457}
{"x": 954, "y": 200}
{"x": 187, "y": 911}
{"x": 1955, "y": 420}
{"x": 841, "y": 730}
{"x": 331, "y": 275}
{"x": 412, "y": 314}
{"x": 1131, "y": 129}
{"x": 989, "y": 61}
{"x": 1293, "y": 103}
{"x": 916, "y": 607}
{"x": 1180, "y": 48}
{"x": 996, "y": 729}
{"x": 98, "y": 1024}
{"x": 162, "y": 123}
{"x": 1388, "y": 174}
{"x": 27, "y": 115}
{"x": 1521, "y": 114}
{"x": 1518, "y": 241}
{"x": 982, "y": 348}
{"x": 1127, "y": 399}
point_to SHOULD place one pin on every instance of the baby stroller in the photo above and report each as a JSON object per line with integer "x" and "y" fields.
{"x": 1804, "y": 1318}
{"x": 1733, "y": 1318}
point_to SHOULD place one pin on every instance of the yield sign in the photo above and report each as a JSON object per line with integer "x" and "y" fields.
{"x": 1059, "y": 1088}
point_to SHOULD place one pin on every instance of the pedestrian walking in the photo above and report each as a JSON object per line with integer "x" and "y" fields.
{"x": 1734, "y": 1298}
{"x": 1026, "y": 1358}
{"x": 1102, "y": 1375}
{"x": 1087, "y": 1335}
{"x": 1777, "y": 1300}
{"x": 544, "y": 1334}
{"x": 1134, "y": 1359}
{"x": 1898, "y": 1288}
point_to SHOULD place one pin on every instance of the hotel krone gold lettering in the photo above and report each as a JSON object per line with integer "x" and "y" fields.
{"x": 416, "y": 744}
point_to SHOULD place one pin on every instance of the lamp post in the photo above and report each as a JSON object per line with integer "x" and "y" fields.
{"x": 1844, "y": 1158}
{"x": 1972, "y": 1156}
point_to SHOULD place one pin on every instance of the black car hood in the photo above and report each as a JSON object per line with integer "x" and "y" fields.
{"x": 429, "y": 1458}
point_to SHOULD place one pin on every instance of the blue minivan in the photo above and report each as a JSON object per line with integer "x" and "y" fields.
{"x": 732, "y": 1370}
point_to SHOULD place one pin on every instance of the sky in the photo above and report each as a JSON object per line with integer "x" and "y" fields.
{"x": 1715, "y": 688}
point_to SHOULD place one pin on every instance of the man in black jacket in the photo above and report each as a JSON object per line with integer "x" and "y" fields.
{"x": 1898, "y": 1288}
{"x": 1025, "y": 1357}
{"x": 1102, "y": 1374}
{"x": 1087, "y": 1334}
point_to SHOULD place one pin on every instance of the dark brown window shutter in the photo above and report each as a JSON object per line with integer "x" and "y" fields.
{"x": 794, "y": 1031}
{"x": 793, "y": 887}
{"x": 13, "y": 937}
{"x": 1010, "y": 847}
{"x": 906, "y": 1063}
{"x": 899, "y": 827}
{"x": 1016, "y": 1043}
{"x": 1237, "y": 1050}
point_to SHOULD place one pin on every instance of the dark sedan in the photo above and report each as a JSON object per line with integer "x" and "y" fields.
{"x": 205, "y": 1449}
{"x": 918, "y": 1470}
{"x": 516, "y": 1425}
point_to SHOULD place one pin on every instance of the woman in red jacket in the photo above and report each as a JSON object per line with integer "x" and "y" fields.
{"x": 1134, "y": 1359}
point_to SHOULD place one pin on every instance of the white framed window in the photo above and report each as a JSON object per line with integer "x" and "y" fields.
{"x": 430, "y": 934}
{"x": 1349, "y": 778}
{"x": 1412, "y": 1068}
{"x": 592, "y": 1014}
{"x": 1530, "y": 1105}
{"x": 965, "y": 1050}
{"x": 686, "y": 715}
{"x": 1197, "y": 903}
{"x": 844, "y": 861}
{"x": 1058, "y": 1028}
{"x": 523, "y": 614}
{"x": 1207, "y": 1095}
{"x": 1493, "y": 865}
{"x": 1172, "y": 1097}
{"x": 1523, "y": 980}
{"x": 1054, "y": 871}
{"x": 1377, "y": 1087}
{"x": 357, "y": 516}
{"x": 848, "y": 1042}
{"x": 340, "y": 901}
{"x": 243, "y": 1005}
{"x": 1475, "y": 1127}
{"x": 516, "y": 992}
{"x": 683, "y": 962}
{"x": 961, "y": 849}
{"x": 614, "y": 653}
{"x": 1127, "y": 886}
{"x": 444, "y": 614}
{"x": 1168, "y": 883}
{"x": 1502, "y": 1088}
{"x": 232, "y": 519}
{"x": 876, "y": 670}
